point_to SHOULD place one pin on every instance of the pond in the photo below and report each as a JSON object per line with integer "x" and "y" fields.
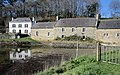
{"x": 27, "y": 61}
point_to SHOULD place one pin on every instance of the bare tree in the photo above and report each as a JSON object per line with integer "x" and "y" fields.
{"x": 115, "y": 8}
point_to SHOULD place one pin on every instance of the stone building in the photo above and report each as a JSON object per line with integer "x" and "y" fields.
{"x": 84, "y": 27}
{"x": 43, "y": 31}
{"x": 108, "y": 31}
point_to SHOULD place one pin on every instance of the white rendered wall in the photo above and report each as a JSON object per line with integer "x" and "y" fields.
{"x": 23, "y": 28}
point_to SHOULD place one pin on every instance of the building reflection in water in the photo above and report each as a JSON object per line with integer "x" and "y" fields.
{"x": 17, "y": 54}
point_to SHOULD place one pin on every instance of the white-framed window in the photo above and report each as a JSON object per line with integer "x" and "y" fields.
{"x": 26, "y": 56}
{"x": 105, "y": 34}
{"x": 36, "y": 33}
{"x": 14, "y": 31}
{"x": 73, "y": 29}
{"x": 26, "y": 31}
{"x": 26, "y": 25}
{"x": 20, "y": 56}
{"x": 83, "y": 29}
{"x": 14, "y": 55}
{"x": 20, "y": 25}
{"x": 48, "y": 33}
{"x": 63, "y": 29}
{"x": 118, "y": 34}
{"x": 13, "y": 25}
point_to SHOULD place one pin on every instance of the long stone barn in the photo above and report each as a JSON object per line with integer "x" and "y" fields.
{"x": 107, "y": 31}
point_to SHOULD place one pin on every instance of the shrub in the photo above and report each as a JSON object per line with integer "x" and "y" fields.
{"x": 75, "y": 38}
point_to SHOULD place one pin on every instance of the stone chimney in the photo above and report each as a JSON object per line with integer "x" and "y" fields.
{"x": 12, "y": 18}
{"x": 97, "y": 19}
{"x": 57, "y": 18}
{"x": 97, "y": 16}
{"x": 33, "y": 21}
{"x": 33, "y": 18}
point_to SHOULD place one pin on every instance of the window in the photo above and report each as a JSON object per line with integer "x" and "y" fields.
{"x": 73, "y": 29}
{"x": 20, "y": 56}
{"x": 63, "y": 36}
{"x": 26, "y": 56}
{"x": 13, "y": 25}
{"x": 83, "y": 29}
{"x": 105, "y": 34}
{"x": 36, "y": 33}
{"x": 14, "y": 55}
{"x": 14, "y": 31}
{"x": 48, "y": 33}
{"x": 63, "y": 29}
{"x": 118, "y": 34}
{"x": 26, "y": 31}
{"x": 20, "y": 25}
{"x": 26, "y": 51}
{"x": 26, "y": 25}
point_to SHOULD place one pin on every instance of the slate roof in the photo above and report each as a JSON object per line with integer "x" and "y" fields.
{"x": 109, "y": 24}
{"x": 21, "y": 20}
{"x": 76, "y": 22}
{"x": 44, "y": 25}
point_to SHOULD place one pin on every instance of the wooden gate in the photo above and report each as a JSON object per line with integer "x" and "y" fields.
{"x": 108, "y": 53}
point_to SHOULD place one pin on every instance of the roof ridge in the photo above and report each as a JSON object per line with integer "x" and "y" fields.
{"x": 78, "y": 18}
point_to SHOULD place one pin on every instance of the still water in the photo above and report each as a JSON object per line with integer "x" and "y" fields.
{"x": 27, "y": 61}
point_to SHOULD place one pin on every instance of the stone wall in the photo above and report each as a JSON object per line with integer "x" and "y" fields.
{"x": 108, "y": 35}
{"x": 89, "y": 31}
{"x": 70, "y": 45}
{"x": 42, "y": 34}
{"x": 7, "y": 36}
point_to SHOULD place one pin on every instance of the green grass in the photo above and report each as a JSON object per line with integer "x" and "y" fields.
{"x": 26, "y": 39}
{"x": 86, "y": 65}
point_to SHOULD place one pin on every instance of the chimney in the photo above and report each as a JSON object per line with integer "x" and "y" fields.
{"x": 97, "y": 16}
{"x": 97, "y": 19}
{"x": 33, "y": 19}
{"x": 12, "y": 18}
{"x": 56, "y": 18}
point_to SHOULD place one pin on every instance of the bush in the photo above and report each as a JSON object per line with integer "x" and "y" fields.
{"x": 75, "y": 38}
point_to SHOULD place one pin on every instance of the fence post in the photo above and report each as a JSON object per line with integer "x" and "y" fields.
{"x": 98, "y": 52}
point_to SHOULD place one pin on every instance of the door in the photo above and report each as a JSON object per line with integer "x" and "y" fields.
{"x": 20, "y": 31}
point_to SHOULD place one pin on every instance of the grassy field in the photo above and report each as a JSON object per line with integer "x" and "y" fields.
{"x": 26, "y": 39}
{"x": 86, "y": 65}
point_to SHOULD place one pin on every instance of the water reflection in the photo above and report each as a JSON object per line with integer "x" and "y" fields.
{"x": 17, "y": 54}
{"x": 27, "y": 62}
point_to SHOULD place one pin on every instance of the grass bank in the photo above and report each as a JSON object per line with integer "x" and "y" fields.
{"x": 26, "y": 39}
{"x": 86, "y": 65}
